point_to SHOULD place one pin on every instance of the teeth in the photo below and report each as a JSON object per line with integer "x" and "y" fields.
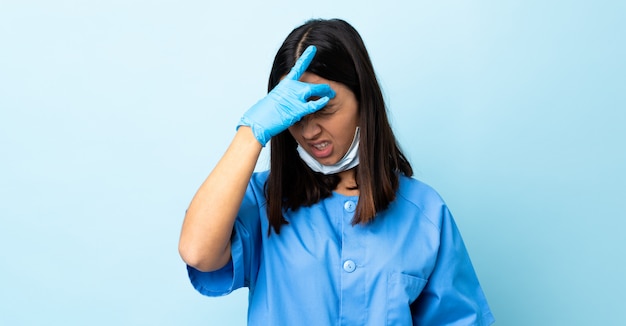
{"x": 321, "y": 146}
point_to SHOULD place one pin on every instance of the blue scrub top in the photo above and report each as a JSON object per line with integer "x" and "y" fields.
{"x": 408, "y": 267}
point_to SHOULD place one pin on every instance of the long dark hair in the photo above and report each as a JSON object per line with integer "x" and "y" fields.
{"x": 341, "y": 57}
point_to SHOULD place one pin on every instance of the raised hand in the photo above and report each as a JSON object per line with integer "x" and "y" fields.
{"x": 287, "y": 103}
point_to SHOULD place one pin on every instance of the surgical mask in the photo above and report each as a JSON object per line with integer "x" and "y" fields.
{"x": 350, "y": 160}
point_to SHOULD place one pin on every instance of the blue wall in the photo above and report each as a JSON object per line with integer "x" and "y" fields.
{"x": 113, "y": 112}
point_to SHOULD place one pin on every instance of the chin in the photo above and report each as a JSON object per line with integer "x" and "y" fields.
{"x": 328, "y": 161}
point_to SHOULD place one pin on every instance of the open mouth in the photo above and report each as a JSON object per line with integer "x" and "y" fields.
{"x": 321, "y": 146}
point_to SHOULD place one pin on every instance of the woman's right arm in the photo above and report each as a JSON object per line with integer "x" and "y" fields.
{"x": 205, "y": 237}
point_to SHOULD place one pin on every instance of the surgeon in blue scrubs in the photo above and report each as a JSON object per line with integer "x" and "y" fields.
{"x": 337, "y": 232}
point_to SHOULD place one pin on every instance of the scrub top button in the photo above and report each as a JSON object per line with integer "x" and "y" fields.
{"x": 349, "y": 266}
{"x": 349, "y": 206}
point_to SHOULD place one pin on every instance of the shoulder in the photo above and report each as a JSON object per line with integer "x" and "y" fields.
{"x": 259, "y": 179}
{"x": 425, "y": 199}
{"x": 417, "y": 191}
{"x": 255, "y": 193}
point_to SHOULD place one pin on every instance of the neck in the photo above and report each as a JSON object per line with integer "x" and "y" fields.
{"x": 347, "y": 184}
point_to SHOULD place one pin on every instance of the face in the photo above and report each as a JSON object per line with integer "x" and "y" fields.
{"x": 328, "y": 133}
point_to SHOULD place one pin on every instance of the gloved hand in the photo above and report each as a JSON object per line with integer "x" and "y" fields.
{"x": 287, "y": 103}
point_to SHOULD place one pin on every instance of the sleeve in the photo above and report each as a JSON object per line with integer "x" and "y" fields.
{"x": 243, "y": 266}
{"x": 452, "y": 295}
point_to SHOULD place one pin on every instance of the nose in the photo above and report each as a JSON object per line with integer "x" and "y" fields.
{"x": 310, "y": 128}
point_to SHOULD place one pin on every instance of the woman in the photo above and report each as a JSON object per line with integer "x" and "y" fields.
{"x": 337, "y": 231}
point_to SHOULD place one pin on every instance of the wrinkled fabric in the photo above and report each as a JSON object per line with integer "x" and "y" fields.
{"x": 408, "y": 267}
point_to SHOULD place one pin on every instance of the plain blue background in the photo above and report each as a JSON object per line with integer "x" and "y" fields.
{"x": 113, "y": 112}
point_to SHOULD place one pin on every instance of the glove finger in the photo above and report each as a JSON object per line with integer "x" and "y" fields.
{"x": 302, "y": 64}
{"x": 319, "y": 90}
{"x": 317, "y": 105}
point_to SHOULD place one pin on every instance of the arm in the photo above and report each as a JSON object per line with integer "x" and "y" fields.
{"x": 205, "y": 237}
{"x": 452, "y": 295}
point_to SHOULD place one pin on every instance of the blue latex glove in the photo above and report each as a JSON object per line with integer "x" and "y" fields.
{"x": 287, "y": 103}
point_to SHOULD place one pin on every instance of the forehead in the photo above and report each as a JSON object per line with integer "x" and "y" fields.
{"x": 309, "y": 77}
